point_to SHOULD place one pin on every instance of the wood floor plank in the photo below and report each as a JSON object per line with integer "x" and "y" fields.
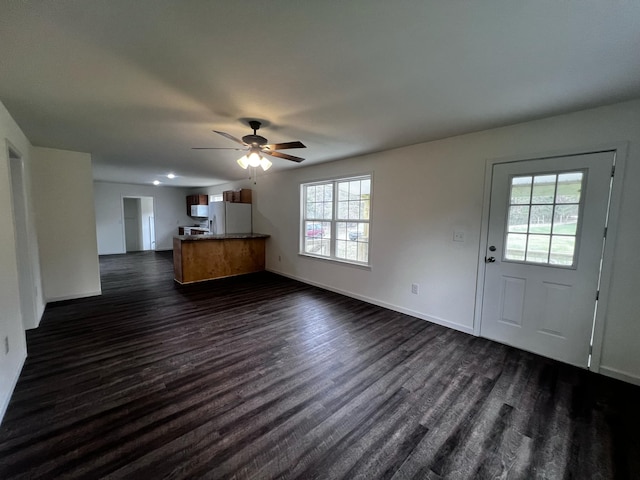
{"x": 263, "y": 377}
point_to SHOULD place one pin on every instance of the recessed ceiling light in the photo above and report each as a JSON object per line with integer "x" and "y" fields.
{"x": 156, "y": 182}
{"x": 171, "y": 175}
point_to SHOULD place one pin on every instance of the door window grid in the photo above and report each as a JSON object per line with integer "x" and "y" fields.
{"x": 543, "y": 215}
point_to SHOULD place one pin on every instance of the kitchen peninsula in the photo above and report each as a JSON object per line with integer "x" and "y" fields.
{"x": 204, "y": 257}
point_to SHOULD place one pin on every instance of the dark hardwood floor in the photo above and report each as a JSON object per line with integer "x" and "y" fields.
{"x": 264, "y": 377}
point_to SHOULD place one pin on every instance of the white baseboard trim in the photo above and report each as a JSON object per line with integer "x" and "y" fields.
{"x": 619, "y": 375}
{"x": 74, "y": 297}
{"x": 7, "y": 399}
{"x": 380, "y": 303}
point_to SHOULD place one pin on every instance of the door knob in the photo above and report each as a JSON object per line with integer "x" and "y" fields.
{"x": 489, "y": 259}
{"x": 492, "y": 248}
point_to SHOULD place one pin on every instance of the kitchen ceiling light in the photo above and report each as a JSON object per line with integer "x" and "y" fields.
{"x": 156, "y": 182}
{"x": 171, "y": 175}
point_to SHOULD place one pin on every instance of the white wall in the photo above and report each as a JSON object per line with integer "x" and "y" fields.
{"x": 65, "y": 219}
{"x": 170, "y": 212}
{"x": 11, "y": 321}
{"x": 422, "y": 193}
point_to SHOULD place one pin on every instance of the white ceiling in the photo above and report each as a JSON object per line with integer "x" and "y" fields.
{"x": 138, "y": 83}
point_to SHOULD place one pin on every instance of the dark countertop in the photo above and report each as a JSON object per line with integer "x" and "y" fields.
{"x": 228, "y": 236}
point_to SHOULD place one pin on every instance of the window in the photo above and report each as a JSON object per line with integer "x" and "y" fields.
{"x": 215, "y": 198}
{"x": 542, "y": 223}
{"x": 335, "y": 219}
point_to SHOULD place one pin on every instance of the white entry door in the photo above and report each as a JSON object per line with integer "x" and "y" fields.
{"x": 544, "y": 246}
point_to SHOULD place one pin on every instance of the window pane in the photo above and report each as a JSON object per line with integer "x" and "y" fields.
{"x": 520, "y": 190}
{"x": 341, "y": 248}
{"x": 565, "y": 219}
{"x": 341, "y": 231}
{"x": 354, "y": 210}
{"x": 364, "y": 210}
{"x": 569, "y": 187}
{"x": 354, "y": 190}
{"x": 311, "y": 194}
{"x": 518, "y": 219}
{"x": 366, "y": 187}
{"x": 328, "y": 211}
{"x": 516, "y": 244}
{"x": 311, "y": 210}
{"x": 346, "y": 238}
{"x": 328, "y": 193}
{"x": 544, "y": 188}
{"x": 343, "y": 191}
{"x": 538, "y": 248}
{"x": 363, "y": 252}
{"x": 343, "y": 210}
{"x": 541, "y": 216}
{"x": 562, "y": 250}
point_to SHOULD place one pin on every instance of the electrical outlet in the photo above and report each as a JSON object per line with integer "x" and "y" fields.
{"x": 458, "y": 236}
{"x": 415, "y": 288}
{"x": 6, "y": 345}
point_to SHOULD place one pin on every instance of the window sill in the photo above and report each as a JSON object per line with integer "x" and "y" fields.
{"x": 339, "y": 261}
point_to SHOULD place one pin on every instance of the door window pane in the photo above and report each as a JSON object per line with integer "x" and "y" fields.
{"x": 544, "y": 189}
{"x": 569, "y": 187}
{"x": 538, "y": 248}
{"x": 521, "y": 190}
{"x": 562, "y": 250}
{"x": 515, "y": 246}
{"x": 541, "y": 218}
{"x": 518, "y": 218}
{"x": 542, "y": 225}
{"x": 565, "y": 219}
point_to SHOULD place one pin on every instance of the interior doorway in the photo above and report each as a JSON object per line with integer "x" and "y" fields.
{"x": 139, "y": 224}
{"x": 27, "y": 289}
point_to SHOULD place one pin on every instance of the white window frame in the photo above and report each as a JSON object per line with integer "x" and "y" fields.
{"x": 334, "y": 220}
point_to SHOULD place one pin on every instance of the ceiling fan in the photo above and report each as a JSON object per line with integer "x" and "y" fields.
{"x": 255, "y": 145}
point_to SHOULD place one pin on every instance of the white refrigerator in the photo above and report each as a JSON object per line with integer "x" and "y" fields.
{"x": 228, "y": 217}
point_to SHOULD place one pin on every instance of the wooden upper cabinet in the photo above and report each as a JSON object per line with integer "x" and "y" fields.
{"x": 237, "y": 196}
{"x": 196, "y": 200}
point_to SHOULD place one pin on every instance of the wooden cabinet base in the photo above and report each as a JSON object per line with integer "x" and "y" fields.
{"x": 199, "y": 260}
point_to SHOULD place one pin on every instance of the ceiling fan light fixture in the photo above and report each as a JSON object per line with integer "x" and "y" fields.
{"x": 254, "y": 159}
{"x": 255, "y": 145}
{"x": 265, "y": 164}
{"x": 243, "y": 162}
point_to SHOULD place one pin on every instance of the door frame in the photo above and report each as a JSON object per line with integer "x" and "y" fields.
{"x": 29, "y": 287}
{"x": 122, "y": 220}
{"x": 619, "y": 150}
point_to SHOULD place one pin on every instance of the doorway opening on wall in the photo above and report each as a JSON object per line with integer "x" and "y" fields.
{"x": 139, "y": 224}
{"x": 27, "y": 290}
{"x": 547, "y": 226}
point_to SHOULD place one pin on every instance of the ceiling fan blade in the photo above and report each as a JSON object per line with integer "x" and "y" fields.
{"x": 284, "y": 155}
{"x": 284, "y": 146}
{"x": 230, "y": 137}
{"x": 216, "y": 148}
